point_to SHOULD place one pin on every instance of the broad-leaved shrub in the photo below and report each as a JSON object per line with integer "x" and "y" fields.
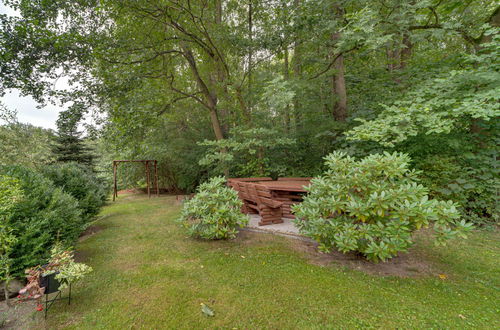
{"x": 214, "y": 212}
{"x": 372, "y": 206}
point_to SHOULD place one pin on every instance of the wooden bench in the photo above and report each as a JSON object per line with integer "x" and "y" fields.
{"x": 231, "y": 182}
{"x": 258, "y": 199}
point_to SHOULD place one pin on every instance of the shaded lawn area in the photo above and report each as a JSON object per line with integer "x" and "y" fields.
{"x": 148, "y": 274}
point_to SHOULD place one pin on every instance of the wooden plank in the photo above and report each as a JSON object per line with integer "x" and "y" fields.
{"x": 286, "y": 186}
{"x": 266, "y": 194}
{"x": 271, "y": 203}
{"x": 250, "y": 179}
{"x": 295, "y": 179}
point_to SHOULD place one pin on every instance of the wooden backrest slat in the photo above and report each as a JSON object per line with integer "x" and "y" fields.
{"x": 246, "y": 192}
{"x": 250, "y": 179}
{"x": 265, "y": 196}
{"x": 253, "y": 192}
{"x": 256, "y": 193}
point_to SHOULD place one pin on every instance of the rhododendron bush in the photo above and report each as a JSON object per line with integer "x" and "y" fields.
{"x": 214, "y": 212}
{"x": 372, "y": 206}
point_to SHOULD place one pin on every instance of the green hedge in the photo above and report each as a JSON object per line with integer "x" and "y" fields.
{"x": 81, "y": 183}
{"x": 44, "y": 215}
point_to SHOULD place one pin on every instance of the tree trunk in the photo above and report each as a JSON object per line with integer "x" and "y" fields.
{"x": 405, "y": 53}
{"x": 250, "y": 55}
{"x": 218, "y": 77}
{"x": 219, "y": 135}
{"x": 209, "y": 96}
{"x": 339, "y": 87}
{"x": 286, "y": 75}
{"x": 247, "y": 116}
{"x": 393, "y": 57}
{"x": 297, "y": 72}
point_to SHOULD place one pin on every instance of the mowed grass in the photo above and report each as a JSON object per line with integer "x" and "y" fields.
{"x": 148, "y": 274}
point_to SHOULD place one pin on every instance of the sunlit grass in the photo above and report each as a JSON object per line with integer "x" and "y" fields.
{"x": 148, "y": 274}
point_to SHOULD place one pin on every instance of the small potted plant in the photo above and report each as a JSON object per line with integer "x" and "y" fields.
{"x": 56, "y": 275}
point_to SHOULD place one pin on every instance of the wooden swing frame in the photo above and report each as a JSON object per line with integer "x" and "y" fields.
{"x": 148, "y": 174}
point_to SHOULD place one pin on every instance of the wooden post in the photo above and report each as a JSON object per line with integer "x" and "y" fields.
{"x": 156, "y": 178}
{"x": 115, "y": 193}
{"x": 148, "y": 174}
{"x": 147, "y": 178}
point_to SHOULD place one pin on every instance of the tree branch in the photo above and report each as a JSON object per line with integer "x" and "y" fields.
{"x": 332, "y": 63}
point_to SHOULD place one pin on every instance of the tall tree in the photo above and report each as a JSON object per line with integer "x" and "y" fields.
{"x": 69, "y": 145}
{"x": 338, "y": 78}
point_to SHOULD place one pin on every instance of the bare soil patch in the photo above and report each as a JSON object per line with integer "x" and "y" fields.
{"x": 130, "y": 191}
{"x": 162, "y": 191}
{"x": 410, "y": 264}
{"x": 92, "y": 230}
{"x": 20, "y": 316}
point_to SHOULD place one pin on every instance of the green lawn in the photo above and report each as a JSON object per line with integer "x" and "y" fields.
{"x": 148, "y": 274}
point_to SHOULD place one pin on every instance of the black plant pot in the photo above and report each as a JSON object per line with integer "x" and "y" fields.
{"x": 50, "y": 283}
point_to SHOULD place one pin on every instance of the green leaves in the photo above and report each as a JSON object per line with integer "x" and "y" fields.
{"x": 10, "y": 194}
{"x": 44, "y": 215}
{"x": 248, "y": 148}
{"x": 372, "y": 206}
{"x": 25, "y": 144}
{"x": 207, "y": 310}
{"x": 440, "y": 104}
{"x": 214, "y": 212}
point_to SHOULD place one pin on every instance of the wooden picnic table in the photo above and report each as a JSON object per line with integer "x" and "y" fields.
{"x": 288, "y": 192}
{"x": 272, "y": 200}
{"x": 286, "y": 185}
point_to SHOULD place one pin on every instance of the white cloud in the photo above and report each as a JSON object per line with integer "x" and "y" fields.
{"x": 27, "y": 111}
{"x": 7, "y": 10}
{"x": 26, "y": 107}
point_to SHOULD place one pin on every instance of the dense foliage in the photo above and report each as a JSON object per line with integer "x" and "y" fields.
{"x": 373, "y": 206}
{"x": 451, "y": 132}
{"x": 81, "y": 183}
{"x": 10, "y": 194}
{"x": 44, "y": 215}
{"x": 248, "y": 152}
{"x": 25, "y": 144}
{"x": 214, "y": 212}
{"x": 205, "y": 87}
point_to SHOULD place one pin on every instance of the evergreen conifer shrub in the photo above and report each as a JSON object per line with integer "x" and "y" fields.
{"x": 44, "y": 215}
{"x": 81, "y": 183}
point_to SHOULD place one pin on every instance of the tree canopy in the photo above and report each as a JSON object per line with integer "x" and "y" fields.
{"x": 194, "y": 83}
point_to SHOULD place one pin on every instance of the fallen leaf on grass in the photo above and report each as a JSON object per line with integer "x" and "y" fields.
{"x": 442, "y": 276}
{"x": 243, "y": 257}
{"x": 207, "y": 310}
{"x": 461, "y": 316}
